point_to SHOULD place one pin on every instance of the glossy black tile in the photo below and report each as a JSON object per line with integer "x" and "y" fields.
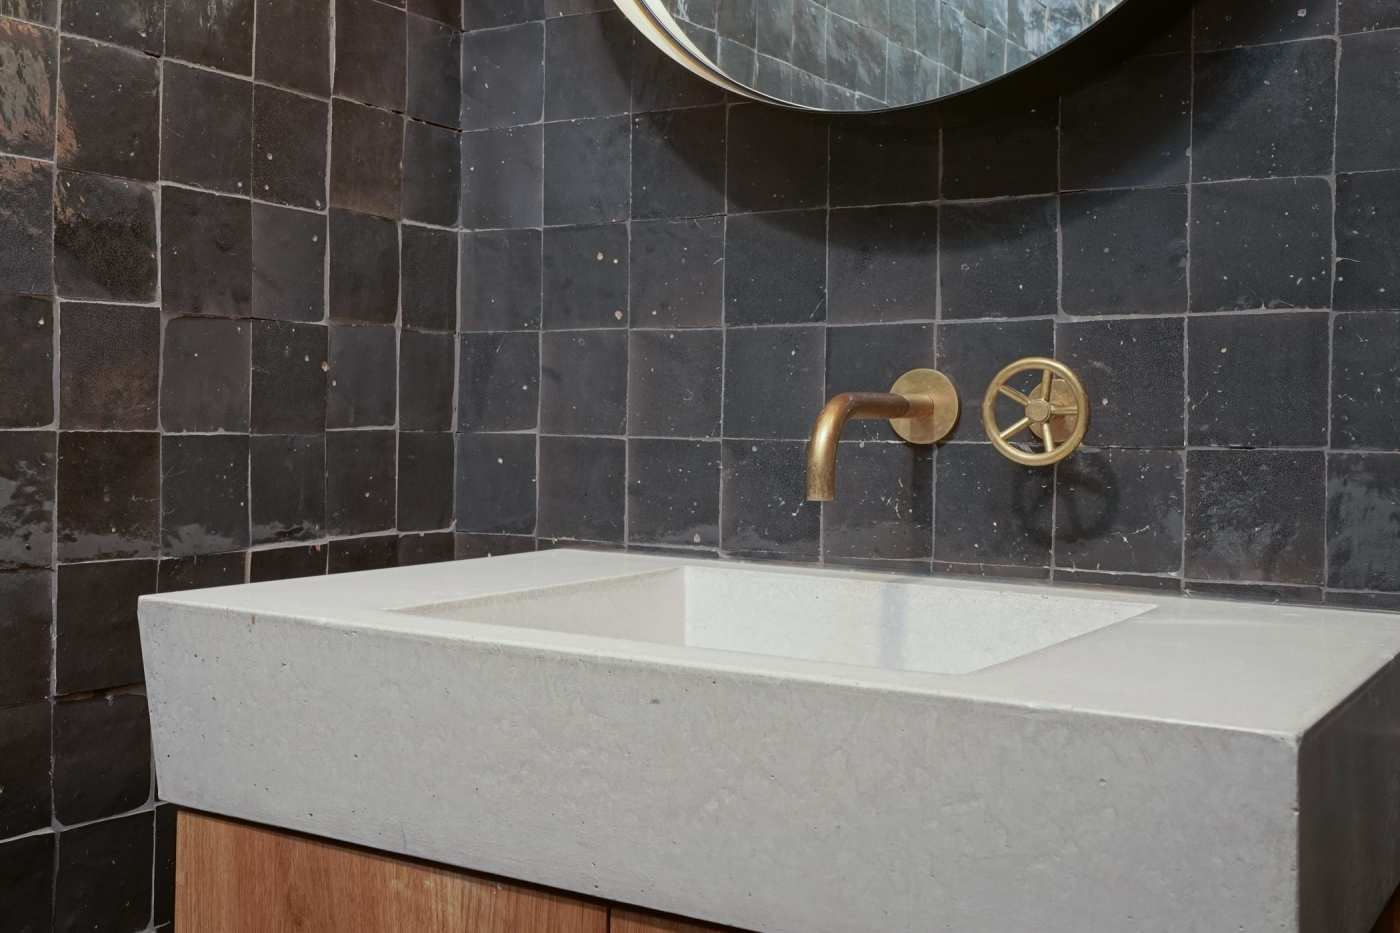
{"x": 869, "y": 359}
{"x": 488, "y": 14}
{"x": 370, "y": 53}
{"x": 501, "y": 280}
{"x": 1261, "y": 244}
{"x": 884, "y": 506}
{"x": 428, "y": 278}
{"x": 136, "y": 24}
{"x": 206, "y": 129}
{"x": 1367, "y": 223}
{"x": 44, "y": 12}
{"x": 1012, "y": 154}
{"x": 1363, "y": 15}
{"x": 366, "y": 158}
{"x": 110, "y": 367}
{"x": 287, "y": 563}
{"x": 1363, "y": 521}
{"x": 201, "y": 571}
{"x": 585, "y": 276}
{"x": 503, "y": 77}
{"x": 763, "y": 509}
{"x": 425, "y": 480}
{"x": 364, "y": 268}
{"x": 676, "y": 270}
{"x": 26, "y": 368}
{"x": 775, "y": 268}
{"x": 502, "y": 172}
{"x": 472, "y": 546}
{"x": 290, "y": 362}
{"x": 1131, "y": 127}
{"x": 28, "y": 468}
{"x": 24, "y": 768}
{"x": 434, "y": 76}
{"x": 586, "y": 176}
{"x": 293, "y": 44}
{"x": 108, "y": 110}
{"x": 360, "y": 481}
{"x": 885, "y": 159}
{"x": 289, "y": 264}
{"x": 498, "y": 382}
{"x": 287, "y": 482}
{"x": 163, "y": 910}
{"x": 673, "y": 492}
{"x": 26, "y": 626}
{"x": 674, "y": 383}
{"x": 26, "y": 875}
{"x": 587, "y": 65}
{"x": 1365, "y": 380}
{"x": 101, "y": 756}
{"x": 1133, "y": 373}
{"x": 882, "y": 263}
{"x": 426, "y": 548}
{"x": 98, "y": 644}
{"x": 1264, "y": 112}
{"x": 30, "y": 88}
{"x": 678, "y": 167}
{"x": 988, "y": 510}
{"x": 773, "y": 380}
{"x": 204, "y": 493}
{"x": 1221, "y": 27}
{"x": 999, "y": 258}
{"x": 1124, "y": 252}
{"x": 1243, "y": 392}
{"x": 444, "y": 11}
{"x": 427, "y": 371}
{"x": 432, "y": 181}
{"x": 777, "y": 159}
{"x": 218, "y": 35}
{"x": 1255, "y": 515}
{"x": 1120, "y": 510}
{"x": 363, "y": 389}
{"x": 26, "y": 226}
{"x": 354, "y": 554}
{"x": 104, "y": 875}
{"x": 1368, "y": 110}
{"x": 583, "y": 382}
{"x": 495, "y": 488}
{"x": 109, "y": 484}
{"x": 289, "y": 148}
{"x": 104, "y": 238}
{"x": 206, "y": 253}
{"x": 658, "y": 83}
{"x": 204, "y": 385}
{"x": 582, "y": 488}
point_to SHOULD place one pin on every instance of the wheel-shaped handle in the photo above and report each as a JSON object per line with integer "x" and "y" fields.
{"x": 1056, "y": 411}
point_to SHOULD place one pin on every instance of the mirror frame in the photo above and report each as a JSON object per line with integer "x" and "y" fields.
{"x": 1124, "y": 30}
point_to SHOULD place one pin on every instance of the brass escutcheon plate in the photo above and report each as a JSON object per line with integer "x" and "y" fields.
{"x": 931, "y": 384}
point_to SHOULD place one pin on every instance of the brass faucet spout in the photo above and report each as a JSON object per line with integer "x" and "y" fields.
{"x": 851, "y": 406}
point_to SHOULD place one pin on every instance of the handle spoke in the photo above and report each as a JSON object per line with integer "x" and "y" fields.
{"x": 1015, "y": 429}
{"x": 1048, "y": 436}
{"x": 1013, "y": 394}
{"x": 1047, "y": 378}
{"x": 1064, "y": 410}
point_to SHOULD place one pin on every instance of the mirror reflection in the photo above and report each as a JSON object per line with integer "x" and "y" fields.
{"x": 859, "y": 55}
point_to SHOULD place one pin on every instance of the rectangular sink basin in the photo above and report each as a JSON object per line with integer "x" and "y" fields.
{"x": 804, "y": 750}
{"x": 891, "y": 624}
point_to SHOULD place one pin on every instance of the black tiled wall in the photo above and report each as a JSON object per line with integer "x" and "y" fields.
{"x": 662, "y": 285}
{"x": 228, "y": 254}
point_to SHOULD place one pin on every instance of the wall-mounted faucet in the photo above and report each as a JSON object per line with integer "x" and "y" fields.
{"x": 1056, "y": 411}
{"x": 922, "y": 407}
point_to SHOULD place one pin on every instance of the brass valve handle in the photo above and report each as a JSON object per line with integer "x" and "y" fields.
{"x": 1056, "y": 411}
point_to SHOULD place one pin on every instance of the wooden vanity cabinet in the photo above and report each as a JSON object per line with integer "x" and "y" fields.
{"x": 234, "y": 877}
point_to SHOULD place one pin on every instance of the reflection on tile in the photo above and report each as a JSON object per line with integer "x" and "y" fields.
{"x": 31, "y": 58}
{"x": 219, "y": 35}
{"x": 109, "y": 484}
{"x": 26, "y": 226}
{"x": 288, "y": 484}
{"x": 28, "y": 465}
{"x": 204, "y": 493}
{"x": 1363, "y": 521}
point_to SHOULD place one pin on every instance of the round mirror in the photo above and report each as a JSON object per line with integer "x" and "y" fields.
{"x": 859, "y": 55}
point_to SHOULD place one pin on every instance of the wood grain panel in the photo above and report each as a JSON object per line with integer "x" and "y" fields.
{"x": 625, "y": 920}
{"x": 235, "y": 877}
